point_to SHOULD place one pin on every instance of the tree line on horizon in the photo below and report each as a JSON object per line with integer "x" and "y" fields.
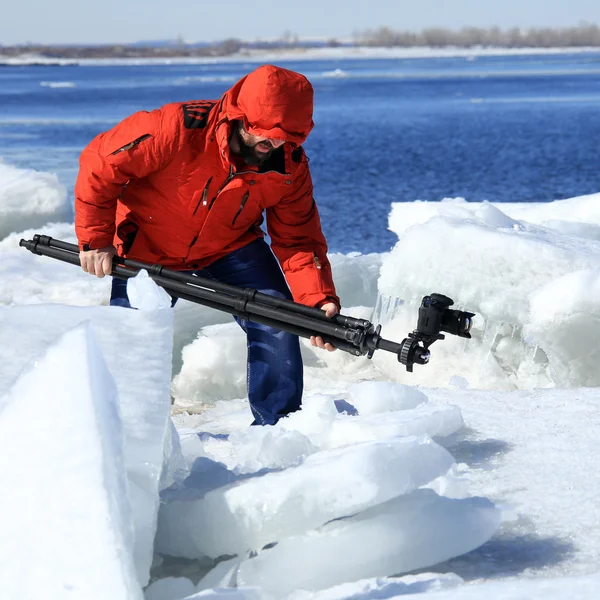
{"x": 582, "y": 35}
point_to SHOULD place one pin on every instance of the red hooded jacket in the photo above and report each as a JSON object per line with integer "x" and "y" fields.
{"x": 163, "y": 188}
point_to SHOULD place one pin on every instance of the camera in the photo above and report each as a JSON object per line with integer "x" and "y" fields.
{"x": 435, "y": 316}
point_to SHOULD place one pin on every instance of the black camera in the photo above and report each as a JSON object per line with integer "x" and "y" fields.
{"x": 435, "y": 316}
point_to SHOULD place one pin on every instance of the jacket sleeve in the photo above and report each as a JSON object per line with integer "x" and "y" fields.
{"x": 139, "y": 145}
{"x": 298, "y": 243}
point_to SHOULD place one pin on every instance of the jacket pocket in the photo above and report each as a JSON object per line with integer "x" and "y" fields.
{"x": 241, "y": 208}
{"x": 305, "y": 269}
{"x": 202, "y": 198}
{"x": 127, "y": 232}
{"x": 131, "y": 145}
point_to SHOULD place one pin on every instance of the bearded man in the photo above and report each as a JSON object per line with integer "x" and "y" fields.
{"x": 187, "y": 186}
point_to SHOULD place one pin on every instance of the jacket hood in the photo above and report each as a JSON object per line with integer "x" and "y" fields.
{"x": 272, "y": 102}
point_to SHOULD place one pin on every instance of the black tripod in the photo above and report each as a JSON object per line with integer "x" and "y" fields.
{"x": 356, "y": 336}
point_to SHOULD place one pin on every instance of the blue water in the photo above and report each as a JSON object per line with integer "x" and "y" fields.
{"x": 505, "y": 129}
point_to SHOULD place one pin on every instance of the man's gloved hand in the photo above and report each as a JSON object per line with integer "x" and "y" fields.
{"x": 330, "y": 310}
{"x": 97, "y": 262}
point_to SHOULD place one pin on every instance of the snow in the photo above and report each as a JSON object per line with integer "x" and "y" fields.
{"x": 249, "y": 513}
{"x": 403, "y": 534}
{"x": 142, "y": 381}
{"x": 528, "y": 271}
{"x": 472, "y": 476}
{"x": 30, "y": 198}
{"x": 68, "y": 528}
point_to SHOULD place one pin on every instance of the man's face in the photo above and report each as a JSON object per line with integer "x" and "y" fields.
{"x": 253, "y": 148}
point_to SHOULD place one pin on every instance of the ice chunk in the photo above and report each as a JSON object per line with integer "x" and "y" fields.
{"x": 373, "y": 397}
{"x": 144, "y": 294}
{"x": 565, "y": 321}
{"x": 407, "y": 533}
{"x": 170, "y": 588}
{"x": 64, "y": 515}
{"x": 252, "y": 512}
{"x": 30, "y": 198}
{"x": 213, "y": 368}
{"x": 224, "y": 575}
{"x": 137, "y": 347}
{"x": 258, "y": 448}
{"x": 47, "y": 280}
{"x": 175, "y": 468}
{"x": 356, "y": 277}
{"x": 498, "y": 286}
{"x": 435, "y": 421}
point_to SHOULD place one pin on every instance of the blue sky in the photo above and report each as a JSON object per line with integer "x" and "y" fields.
{"x": 114, "y": 21}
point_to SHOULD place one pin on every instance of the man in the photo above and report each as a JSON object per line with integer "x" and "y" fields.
{"x": 185, "y": 186}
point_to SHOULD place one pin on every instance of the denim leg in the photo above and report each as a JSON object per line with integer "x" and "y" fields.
{"x": 118, "y": 293}
{"x": 275, "y": 372}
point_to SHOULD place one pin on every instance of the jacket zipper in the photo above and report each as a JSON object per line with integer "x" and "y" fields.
{"x": 230, "y": 177}
{"x": 204, "y": 196}
{"x": 317, "y": 261}
{"x": 244, "y": 199}
{"x": 131, "y": 144}
{"x": 241, "y": 208}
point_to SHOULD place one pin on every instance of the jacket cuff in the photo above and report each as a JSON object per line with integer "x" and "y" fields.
{"x": 328, "y": 299}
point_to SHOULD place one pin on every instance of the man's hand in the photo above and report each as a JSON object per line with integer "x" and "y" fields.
{"x": 330, "y": 310}
{"x": 97, "y": 262}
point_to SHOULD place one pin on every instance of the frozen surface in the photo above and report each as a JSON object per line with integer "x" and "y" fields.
{"x": 170, "y": 588}
{"x": 382, "y": 588}
{"x": 137, "y": 348}
{"x": 529, "y": 271}
{"x": 407, "y": 533}
{"x": 31, "y": 279}
{"x": 64, "y": 512}
{"x": 326, "y": 474}
{"x": 251, "y": 512}
{"x": 524, "y": 589}
{"x": 30, "y": 198}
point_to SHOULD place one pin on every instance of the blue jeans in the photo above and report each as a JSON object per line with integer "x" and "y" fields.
{"x": 275, "y": 373}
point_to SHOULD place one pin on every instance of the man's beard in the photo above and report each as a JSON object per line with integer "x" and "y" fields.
{"x": 249, "y": 153}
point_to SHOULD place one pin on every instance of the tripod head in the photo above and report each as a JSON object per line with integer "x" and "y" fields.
{"x": 435, "y": 316}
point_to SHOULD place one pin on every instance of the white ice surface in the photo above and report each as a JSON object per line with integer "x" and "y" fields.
{"x": 528, "y": 271}
{"x": 406, "y": 533}
{"x": 251, "y": 512}
{"x": 170, "y": 588}
{"x": 28, "y": 278}
{"x": 30, "y": 198}
{"x": 532, "y": 452}
{"x": 137, "y": 347}
{"x": 64, "y": 512}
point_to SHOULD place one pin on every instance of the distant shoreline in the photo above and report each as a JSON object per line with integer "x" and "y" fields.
{"x": 299, "y": 55}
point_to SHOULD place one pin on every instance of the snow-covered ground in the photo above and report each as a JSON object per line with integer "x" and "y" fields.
{"x": 473, "y": 476}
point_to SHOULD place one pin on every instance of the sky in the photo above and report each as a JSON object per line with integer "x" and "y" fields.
{"x": 114, "y": 21}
